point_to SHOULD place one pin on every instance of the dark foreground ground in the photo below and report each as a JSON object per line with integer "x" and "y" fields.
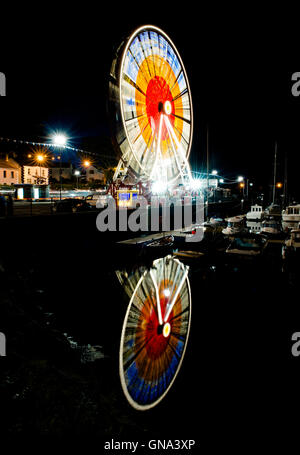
{"x": 59, "y": 297}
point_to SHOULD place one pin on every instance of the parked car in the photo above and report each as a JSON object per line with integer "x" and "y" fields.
{"x": 71, "y": 205}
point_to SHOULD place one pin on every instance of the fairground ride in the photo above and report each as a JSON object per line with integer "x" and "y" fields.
{"x": 150, "y": 107}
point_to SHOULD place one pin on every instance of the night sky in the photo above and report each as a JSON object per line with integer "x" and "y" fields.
{"x": 239, "y": 62}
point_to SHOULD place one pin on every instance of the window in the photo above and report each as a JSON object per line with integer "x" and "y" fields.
{"x": 28, "y": 171}
{"x": 12, "y": 174}
{"x": 4, "y": 174}
{"x": 91, "y": 172}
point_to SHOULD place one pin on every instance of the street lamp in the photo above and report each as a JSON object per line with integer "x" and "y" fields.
{"x": 39, "y": 158}
{"x": 77, "y": 173}
{"x": 86, "y": 163}
{"x": 60, "y": 140}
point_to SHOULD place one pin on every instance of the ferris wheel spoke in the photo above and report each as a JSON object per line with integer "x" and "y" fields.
{"x": 131, "y": 82}
{"x": 139, "y": 68}
{"x": 180, "y": 94}
{"x": 179, "y": 315}
{"x": 160, "y": 319}
{"x": 141, "y": 133}
{"x": 179, "y": 166}
{"x": 176, "y": 80}
{"x": 137, "y": 354}
{"x": 179, "y": 148}
{"x": 182, "y": 118}
{"x": 148, "y": 149}
{"x": 174, "y": 299}
{"x": 157, "y": 152}
{"x": 145, "y": 56}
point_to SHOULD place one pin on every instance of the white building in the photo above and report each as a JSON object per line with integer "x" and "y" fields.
{"x": 65, "y": 170}
{"x": 35, "y": 175}
{"x": 10, "y": 172}
{"x": 92, "y": 173}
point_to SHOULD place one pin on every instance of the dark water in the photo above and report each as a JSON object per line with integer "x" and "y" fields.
{"x": 60, "y": 297}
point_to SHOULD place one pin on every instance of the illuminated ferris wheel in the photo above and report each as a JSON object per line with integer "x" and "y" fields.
{"x": 151, "y": 109}
{"x": 155, "y": 331}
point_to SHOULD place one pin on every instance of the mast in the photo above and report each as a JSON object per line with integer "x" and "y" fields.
{"x": 275, "y": 164}
{"x": 285, "y": 183}
{"x": 207, "y": 169}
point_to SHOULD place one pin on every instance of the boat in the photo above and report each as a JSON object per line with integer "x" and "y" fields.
{"x": 256, "y": 212}
{"x": 235, "y": 225}
{"x": 216, "y": 220}
{"x": 272, "y": 230}
{"x": 291, "y": 213}
{"x": 273, "y": 210}
{"x": 195, "y": 231}
{"x": 188, "y": 255}
{"x": 165, "y": 241}
{"x": 247, "y": 245}
{"x": 293, "y": 241}
{"x": 254, "y": 226}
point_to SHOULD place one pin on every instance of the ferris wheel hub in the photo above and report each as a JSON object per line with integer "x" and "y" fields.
{"x": 167, "y": 107}
{"x": 166, "y": 329}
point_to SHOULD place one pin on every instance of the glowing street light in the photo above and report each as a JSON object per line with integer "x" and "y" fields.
{"x": 77, "y": 173}
{"x": 86, "y": 163}
{"x": 60, "y": 140}
{"x": 240, "y": 178}
{"x": 214, "y": 172}
{"x": 279, "y": 185}
{"x": 40, "y": 158}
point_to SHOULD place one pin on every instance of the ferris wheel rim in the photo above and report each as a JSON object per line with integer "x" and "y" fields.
{"x": 124, "y": 52}
{"x": 129, "y": 398}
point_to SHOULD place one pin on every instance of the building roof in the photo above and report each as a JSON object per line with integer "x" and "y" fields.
{"x": 9, "y": 164}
